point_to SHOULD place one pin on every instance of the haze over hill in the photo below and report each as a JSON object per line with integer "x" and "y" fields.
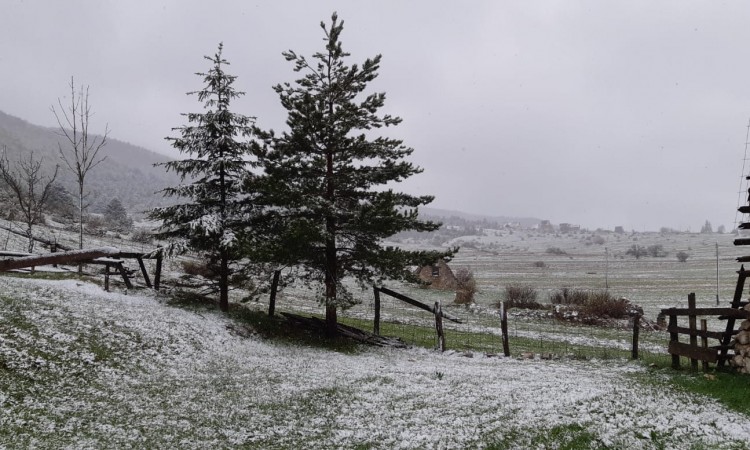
{"x": 127, "y": 172}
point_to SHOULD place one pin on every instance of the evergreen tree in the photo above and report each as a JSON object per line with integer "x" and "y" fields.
{"x": 116, "y": 216}
{"x": 211, "y": 219}
{"x": 326, "y": 178}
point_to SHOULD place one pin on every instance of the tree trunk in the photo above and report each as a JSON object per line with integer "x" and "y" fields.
{"x": 56, "y": 258}
{"x": 224, "y": 282}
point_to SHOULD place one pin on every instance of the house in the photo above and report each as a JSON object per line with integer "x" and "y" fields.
{"x": 438, "y": 275}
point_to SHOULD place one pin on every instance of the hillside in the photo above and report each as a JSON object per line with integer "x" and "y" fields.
{"x": 127, "y": 172}
{"x": 83, "y": 368}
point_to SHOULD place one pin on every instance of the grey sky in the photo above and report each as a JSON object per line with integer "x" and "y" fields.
{"x": 595, "y": 113}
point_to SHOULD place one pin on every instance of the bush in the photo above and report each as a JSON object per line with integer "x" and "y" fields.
{"x": 656, "y": 251}
{"x": 466, "y": 286}
{"x": 556, "y": 251}
{"x": 518, "y": 296}
{"x": 637, "y": 251}
{"x": 568, "y": 296}
{"x": 682, "y": 256}
{"x": 540, "y": 264}
{"x": 589, "y": 307}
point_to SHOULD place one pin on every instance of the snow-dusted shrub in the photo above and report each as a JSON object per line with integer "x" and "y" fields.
{"x": 519, "y": 296}
{"x": 466, "y": 286}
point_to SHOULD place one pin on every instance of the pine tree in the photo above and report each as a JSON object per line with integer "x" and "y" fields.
{"x": 326, "y": 178}
{"x": 116, "y": 216}
{"x": 211, "y": 219}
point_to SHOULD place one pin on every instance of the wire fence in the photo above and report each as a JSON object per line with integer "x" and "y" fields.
{"x": 531, "y": 333}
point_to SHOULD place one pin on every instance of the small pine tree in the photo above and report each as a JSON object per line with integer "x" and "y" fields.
{"x": 325, "y": 178}
{"x": 211, "y": 219}
{"x": 116, "y": 216}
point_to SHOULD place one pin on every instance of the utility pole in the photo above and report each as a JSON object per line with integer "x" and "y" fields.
{"x": 606, "y": 268}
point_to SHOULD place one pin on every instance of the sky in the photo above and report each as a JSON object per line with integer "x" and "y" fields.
{"x": 629, "y": 113}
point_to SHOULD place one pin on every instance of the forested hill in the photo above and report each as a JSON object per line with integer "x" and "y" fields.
{"x": 127, "y": 172}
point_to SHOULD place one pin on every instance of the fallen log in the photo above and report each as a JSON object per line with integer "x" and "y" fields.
{"x": 57, "y": 258}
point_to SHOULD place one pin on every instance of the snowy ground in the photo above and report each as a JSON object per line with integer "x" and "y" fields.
{"x": 81, "y": 368}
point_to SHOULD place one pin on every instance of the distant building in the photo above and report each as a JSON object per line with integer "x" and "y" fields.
{"x": 546, "y": 226}
{"x": 619, "y": 229}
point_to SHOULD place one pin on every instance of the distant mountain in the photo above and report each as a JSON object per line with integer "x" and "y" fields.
{"x": 448, "y": 214}
{"x": 127, "y": 173}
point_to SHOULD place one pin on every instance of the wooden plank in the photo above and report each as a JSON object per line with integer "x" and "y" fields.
{"x": 674, "y": 338}
{"x": 692, "y": 324}
{"x": 744, "y": 209}
{"x": 742, "y": 241}
{"x": 704, "y": 341}
{"x": 743, "y": 259}
{"x": 144, "y": 272}
{"x": 729, "y": 312}
{"x": 124, "y": 274}
{"x": 744, "y": 226}
{"x": 699, "y": 333}
{"x": 416, "y": 303}
{"x": 689, "y": 351}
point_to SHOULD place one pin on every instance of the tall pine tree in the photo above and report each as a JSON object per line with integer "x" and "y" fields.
{"x": 327, "y": 177}
{"x": 211, "y": 219}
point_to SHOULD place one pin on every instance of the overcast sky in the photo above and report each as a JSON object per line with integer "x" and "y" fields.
{"x": 594, "y": 113}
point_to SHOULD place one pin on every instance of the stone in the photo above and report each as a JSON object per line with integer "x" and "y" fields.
{"x": 743, "y": 337}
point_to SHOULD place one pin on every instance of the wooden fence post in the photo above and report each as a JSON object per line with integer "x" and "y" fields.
{"x": 157, "y": 275}
{"x": 704, "y": 340}
{"x": 106, "y": 277}
{"x": 674, "y": 337}
{"x": 636, "y": 332}
{"x": 693, "y": 328}
{"x": 439, "y": 326}
{"x": 504, "y": 328}
{"x": 272, "y": 298}
{"x": 376, "y": 320}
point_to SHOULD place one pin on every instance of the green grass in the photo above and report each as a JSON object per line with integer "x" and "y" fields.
{"x": 727, "y": 387}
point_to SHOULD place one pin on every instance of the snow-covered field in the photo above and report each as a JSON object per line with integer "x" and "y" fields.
{"x": 81, "y": 368}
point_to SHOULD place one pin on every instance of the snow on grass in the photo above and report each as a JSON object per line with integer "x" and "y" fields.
{"x": 83, "y": 368}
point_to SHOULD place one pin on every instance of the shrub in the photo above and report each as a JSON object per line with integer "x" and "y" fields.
{"x": 598, "y": 240}
{"x": 637, "y": 251}
{"x": 518, "y": 296}
{"x": 540, "y": 264}
{"x": 656, "y": 251}
{"x": 556, "y": 251}
{"x": 601, "y": 304}
{"x": 568, "y": 296}
{"x": 682, "y": 256}
{"x": 589, "y": 307}
{"x": 466, "y": 286}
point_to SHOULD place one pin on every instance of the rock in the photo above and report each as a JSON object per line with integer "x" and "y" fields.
{"x": 527, "y": 355}
{"x": 743, "y": 337}
{"x": 747, "y": 307}
{"x": 743, "y": 350}
{"x": 745, "y": 325}
{"x": 738, "y": 361}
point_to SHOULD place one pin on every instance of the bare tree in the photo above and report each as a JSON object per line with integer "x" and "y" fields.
{"x": 30, "y": 187}
{"x": 82, "y": 153}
